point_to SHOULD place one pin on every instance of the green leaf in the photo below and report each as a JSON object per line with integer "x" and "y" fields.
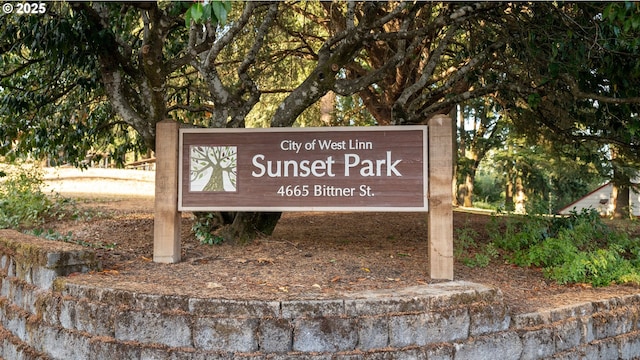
{"x": 197, "y": 11}
{"x": 219, "y": 11}
{"x": 611, "y": 12}
{"x": 187, "y": 18}
{"x": 534, "y": 100}
{"x": 206, "y": 12}
{"x": 554, "y": 69}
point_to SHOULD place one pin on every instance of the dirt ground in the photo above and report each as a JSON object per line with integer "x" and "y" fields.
{"x": 309, "y": 256}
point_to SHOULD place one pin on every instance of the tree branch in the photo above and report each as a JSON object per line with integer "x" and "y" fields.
{"x": 575, "y": 91}
{"x": 434, "y": 58}
{"x": 425, "y": 113}
{"x": 201, "y": 108}
{"x": 248, "y": 85}
{"x": 230, "y": 35}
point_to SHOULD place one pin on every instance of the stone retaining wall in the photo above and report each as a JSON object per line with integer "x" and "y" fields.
{"x": 51, "y": 317}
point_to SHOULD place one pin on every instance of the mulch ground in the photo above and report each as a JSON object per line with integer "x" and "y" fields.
{"x": 309, "y": 256}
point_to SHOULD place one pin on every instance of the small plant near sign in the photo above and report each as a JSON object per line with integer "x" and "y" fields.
{"x": 202, "y": 229}
{"x": 51, "y": 234}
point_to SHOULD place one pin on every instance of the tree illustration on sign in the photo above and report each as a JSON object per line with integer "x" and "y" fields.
{"x": 213, "y": 168}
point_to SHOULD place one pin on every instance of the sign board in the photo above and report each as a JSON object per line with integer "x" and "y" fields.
{"x": 303, "y": 169}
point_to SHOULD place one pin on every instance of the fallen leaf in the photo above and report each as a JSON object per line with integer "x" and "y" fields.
{"x": 265, "y": 260}
{"x": 366, "y": 269}
{"x": 336, "y": 278}
{"x": 316, "y": 286}
{"x": 146, "y": 259}
{"x": 213, "y": 285}
{"x": 242, "y": 261}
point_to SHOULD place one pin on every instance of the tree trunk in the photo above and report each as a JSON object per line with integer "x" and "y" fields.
{"x": 520, "y": 197}
{"x": 216, "y": 181}
{"x": 247, "y": 226}
{"x": 509, "y": 204}
{"x": 621, "y": 184}
{"x": 468, "y": 190}
{"x": 240, "y": 227}
{"x": 508, "y": 197}
{"x": 621, "y": 202}
{"x": 328, "y": 109}
{"x": 620, "y": 193}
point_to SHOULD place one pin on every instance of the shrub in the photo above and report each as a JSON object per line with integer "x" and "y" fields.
{"x": 22, "y": 202}
{"x": 469, "y": 252}
{"x": 574, "y": 249}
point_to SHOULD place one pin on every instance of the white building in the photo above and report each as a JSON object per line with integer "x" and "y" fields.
{"x": 601, "y": 200}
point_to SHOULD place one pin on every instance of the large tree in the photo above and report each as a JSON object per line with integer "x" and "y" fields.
{"x": 72, "y": 74}
{"x": 138, "y": 63}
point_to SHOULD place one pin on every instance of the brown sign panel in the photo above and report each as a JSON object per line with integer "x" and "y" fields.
{"x": 303, "y": 169}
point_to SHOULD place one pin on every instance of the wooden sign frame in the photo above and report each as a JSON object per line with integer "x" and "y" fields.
{"x": 439, "y": 157}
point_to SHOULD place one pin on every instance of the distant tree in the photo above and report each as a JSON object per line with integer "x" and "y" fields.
{"x": 579, "y": 79}
{"x": 481, "y": 129}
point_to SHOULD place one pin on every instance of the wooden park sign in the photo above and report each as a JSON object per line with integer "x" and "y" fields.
{"x": 400, "y": 168}
{"x": 303, "y": 169}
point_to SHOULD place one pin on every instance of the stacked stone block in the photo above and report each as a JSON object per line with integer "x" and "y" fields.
{"x": 64, "y": 319}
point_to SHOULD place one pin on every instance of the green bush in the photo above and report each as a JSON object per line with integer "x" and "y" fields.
{"x": 22, "y": 202}
{"x": 471, "y": 253}
{"x": 549, "y": 252}
{"x": 579, "y": 248}
{"x": 520, "y": 232}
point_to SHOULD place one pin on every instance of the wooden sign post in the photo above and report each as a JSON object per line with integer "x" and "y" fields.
{"x": 166, "y": 223}
{"x": 305, "y": 169}
{"x": 440, "y": 222}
